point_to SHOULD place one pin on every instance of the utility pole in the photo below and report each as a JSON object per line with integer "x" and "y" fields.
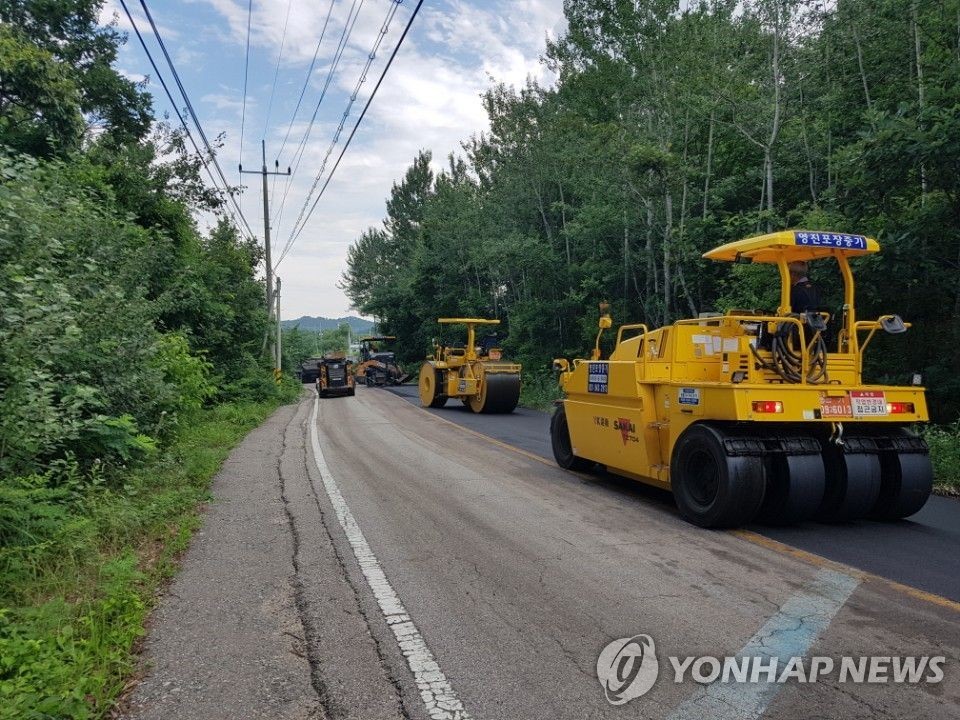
{"x": 266, "y": 228}
{"x": 278, "y": 367}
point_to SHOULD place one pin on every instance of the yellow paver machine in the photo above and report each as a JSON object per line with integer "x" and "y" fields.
{"x": 473, "y": 372}
{"x": 749, "y": 414}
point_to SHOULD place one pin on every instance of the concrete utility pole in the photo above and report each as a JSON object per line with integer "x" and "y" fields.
{"x": 266, "y": 226}
{"x": 278, "y": 367}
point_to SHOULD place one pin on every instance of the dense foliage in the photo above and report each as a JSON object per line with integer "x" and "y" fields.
{"x": 670, "y": 132}
{"x": 116, "y": 312}
{"x": 298, "y": 345}
{"x": 130, "y": 345}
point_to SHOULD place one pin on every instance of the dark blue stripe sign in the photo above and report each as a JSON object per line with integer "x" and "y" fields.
{"x": 830, "y": 240}
{"x": 598, "y": 377}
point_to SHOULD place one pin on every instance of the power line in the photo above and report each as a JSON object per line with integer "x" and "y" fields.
{"x": 384, "y": 29}
{"x": 306, "y": 80}
{"x": 353, "y": 132}
{"x": 246, "y": 70}
{"x": 303, "y": 90}
{"x": 273, "y": 88}
{"x": 276, "y": 71}
{"x": 186, "y": 127}
{"x": 301, "y": 147}
{"x": 190, "y": 110}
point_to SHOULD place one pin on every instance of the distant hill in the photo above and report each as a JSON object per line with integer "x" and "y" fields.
{"x": 357, "y": 325}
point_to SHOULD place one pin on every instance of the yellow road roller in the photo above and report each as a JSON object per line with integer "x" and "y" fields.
{"x": 753, "y": 415}
{"x": 474, "y": 373}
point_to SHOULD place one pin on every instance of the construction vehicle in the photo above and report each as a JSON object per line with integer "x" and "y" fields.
{"x": 476, "y": 375}
{"x": 309, "y": 370}
{"x": 749, "y": 415}
{"x": 379, "y": 367}
{"x": 335, "y": 375}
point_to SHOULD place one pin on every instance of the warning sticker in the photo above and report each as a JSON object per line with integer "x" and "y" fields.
{"x": 598, "y": 377}
{"x": 868, "y": 403}
{"x": 689, "y": 396}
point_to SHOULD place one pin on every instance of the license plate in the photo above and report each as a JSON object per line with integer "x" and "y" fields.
{"x": 835, "y": 406}
{"x": 868, "y": 403}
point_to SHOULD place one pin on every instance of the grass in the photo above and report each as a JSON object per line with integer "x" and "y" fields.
{"x": 539, "y": 391}
{"x": 944, "y": 442}
{"x": 76, "y": 587}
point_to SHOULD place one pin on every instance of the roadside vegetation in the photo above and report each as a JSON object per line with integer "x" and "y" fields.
{"x": 130, "y": 357}
{"x": 670, "y": 133}
{"x": 944, "y": 442}
{"x": 298, "y": 345}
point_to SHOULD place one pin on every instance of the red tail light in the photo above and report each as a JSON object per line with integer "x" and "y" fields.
{"x": 767, "y": 406}
{"x": 900, "y": 408}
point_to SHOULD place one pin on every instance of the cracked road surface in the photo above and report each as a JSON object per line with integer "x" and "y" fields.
{"x": 514, "y": 573}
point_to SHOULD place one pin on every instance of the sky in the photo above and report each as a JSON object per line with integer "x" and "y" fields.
{"x": 430, "y": 99}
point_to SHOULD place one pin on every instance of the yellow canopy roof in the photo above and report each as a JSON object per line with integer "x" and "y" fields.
{"x": 467, "y": 321}
{"x": 794, "y": 245}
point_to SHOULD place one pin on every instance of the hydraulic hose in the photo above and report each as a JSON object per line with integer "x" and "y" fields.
{"x": 788, "y": 363}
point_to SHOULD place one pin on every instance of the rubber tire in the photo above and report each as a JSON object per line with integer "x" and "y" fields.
{"x": 906, "y": 481}
{"x": 739, "y": 481}
{"x": 853, "y": 485}
{"x": 351, "y": 392}
{"x": 500, "y": 393}
{"x": 562, "y": 447}
{"x": 795, "y": 487}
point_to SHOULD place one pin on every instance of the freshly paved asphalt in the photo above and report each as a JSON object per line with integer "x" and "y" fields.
{"x": 514, "y": 573}
{"x": 922, "y": 551}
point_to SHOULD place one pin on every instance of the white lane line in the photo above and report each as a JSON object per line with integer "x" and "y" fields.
{"x": 435, "y": 690}
{"x": 789, "y": 633}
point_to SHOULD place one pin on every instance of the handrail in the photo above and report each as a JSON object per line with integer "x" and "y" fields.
{"x": 872, "y": 326}
{"x": 635, "y": 326}
{"x": 630, "y": 326}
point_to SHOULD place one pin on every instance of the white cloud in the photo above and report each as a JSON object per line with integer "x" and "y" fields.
{"x": 431, "y": 99}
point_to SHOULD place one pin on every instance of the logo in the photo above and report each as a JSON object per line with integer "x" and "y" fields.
{"x": 627, "y": 668}
{"x": 625, "y": 427}
{"x": 689, "y": 396}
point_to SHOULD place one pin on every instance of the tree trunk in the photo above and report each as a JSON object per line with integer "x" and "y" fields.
{"x": 686, "y": 290}
{"x": 651, "y": 284}
{"x": 543, "y": 214}
{"x": 563, "y": 223}
{"x": 626, "y": 257}
{"x": 920, "y": 97}
{"x": 806, "y": 148}
{"x": 706, "y": 179}
{"x": 863, "y": 72}
{"x": 667, "y": 241}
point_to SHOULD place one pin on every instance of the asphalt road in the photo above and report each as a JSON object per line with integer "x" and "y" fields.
{"x": 922, "y": 551}
{"x": 364, "y": 559}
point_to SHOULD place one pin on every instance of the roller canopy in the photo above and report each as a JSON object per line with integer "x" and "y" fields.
{"x": 794, "y": 245}
{"x": 467, "y": 321}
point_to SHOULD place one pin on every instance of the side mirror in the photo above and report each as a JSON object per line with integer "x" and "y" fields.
{"x": 893, "y": 324}
{"x": 561, "y": 365}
